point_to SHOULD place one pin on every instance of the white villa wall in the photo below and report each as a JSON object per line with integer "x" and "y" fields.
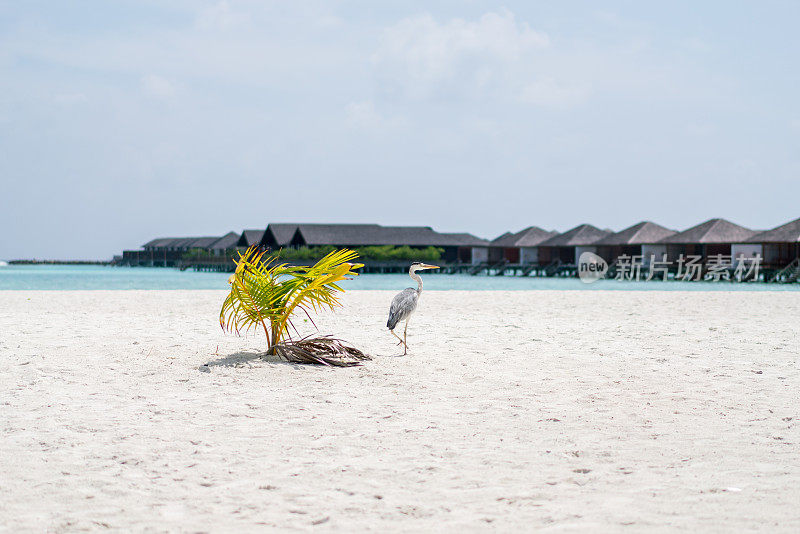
{"x": 748, "y": 251}
{"x": 480, "y": 255}
{"x": 529, "y": 255}
{"x": 657, "y": 250}
{"x": 581, "y": 250}
{"x": 648, "y": 251}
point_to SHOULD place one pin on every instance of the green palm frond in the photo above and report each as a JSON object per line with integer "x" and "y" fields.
{"x": 265, "y": 295}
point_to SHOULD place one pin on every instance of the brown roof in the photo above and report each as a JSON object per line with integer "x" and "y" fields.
{"x": 711, "y": 231}
{"x": 644, "y": 232}
{"x": 374, "y": 234}
{"x": 282, "y": 233}
{"x": 160, "y": 242}
{"x": 465, "y": 240}
{"x": 181, "y": 242}
{"x": 501, "y": 237}
{"x": 228, "y": 241}
{"x": 198, "y": 242}
{"x": 787, "y": 233}
{"x": 529, "y": 237}
{"x": 250, "y": 238}
{"x": 582, "y": 235}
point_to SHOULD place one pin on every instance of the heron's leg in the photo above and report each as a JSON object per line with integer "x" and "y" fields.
{"x": 405, "y": 335}
{"x": 398, "y": 337}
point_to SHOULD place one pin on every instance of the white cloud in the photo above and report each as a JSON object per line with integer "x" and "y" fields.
{"x": 422, "y": 56}
{"x": 362, "y": 115}
{"x": 695, "y": 44}
{"x": 700, "y": 129}
{"x": 70, "y": 98}
{"x": 328, "y": 21}
{"x": 157, "y": 87}
{"x": 220, "y": 16}
{"x": 365, "y": 116}
{"x": 548, "y": 91}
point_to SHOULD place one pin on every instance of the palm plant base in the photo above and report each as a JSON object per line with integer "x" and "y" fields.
{"x": 324, "y": 350}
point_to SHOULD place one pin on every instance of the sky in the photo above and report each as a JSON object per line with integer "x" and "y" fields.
{"x": 128, "y": 120}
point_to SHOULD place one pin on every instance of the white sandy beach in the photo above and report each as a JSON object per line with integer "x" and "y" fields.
{"x": 564, "y": 411}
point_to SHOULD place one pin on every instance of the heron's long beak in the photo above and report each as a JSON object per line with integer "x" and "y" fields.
{"x": 425, "y": 266}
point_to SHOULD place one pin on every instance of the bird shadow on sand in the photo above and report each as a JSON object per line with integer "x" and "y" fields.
{"x": 394, "y": 355}
{"x": 398, "y": 354}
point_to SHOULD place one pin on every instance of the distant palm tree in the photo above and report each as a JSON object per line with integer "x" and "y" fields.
{"x": 265, "y": 295}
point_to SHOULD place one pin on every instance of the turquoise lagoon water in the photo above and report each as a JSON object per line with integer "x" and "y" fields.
{"x": 77, "y": 277}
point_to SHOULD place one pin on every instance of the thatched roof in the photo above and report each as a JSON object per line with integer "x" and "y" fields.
{"x": 582, "y": 235}
{"x": 643, "y": 233}
{"x": 228, "y": 241}
{"x": 787, "y": 233}
{"x": 465, "y": 240}
{"x": 352, "y": 235}
{"x": 199, "y": 242}
{"x": 181, "y": 242}
{"x": 160, "y": 242}
{"x": 712, "y": 231}
{"x": 250, "y": 238}
{"x": 529, "y": 237}
{"x": 499, "y": 238}
{"x": 282, "y": 233}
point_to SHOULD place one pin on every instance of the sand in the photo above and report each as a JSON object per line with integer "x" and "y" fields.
{"x": 563, "y": 411}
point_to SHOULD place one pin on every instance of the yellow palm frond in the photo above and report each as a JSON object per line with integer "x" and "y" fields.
{"x": 265, "y": 295}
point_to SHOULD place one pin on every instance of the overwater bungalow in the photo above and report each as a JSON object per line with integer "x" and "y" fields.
{"x": 160, "y": 244}
{"x": 641, "y": 239}
{"x": 458, "y": 247}
{"x": 250, "y": 238}
{"x": 277, "y": 235}
{"x": 179, "y": 244}
{"x": 168, "y": 251}
{"x": 780, "y": 246}
{"x": 566, "y": 248}
{"x": 521, "y": 247}
{"x": 710, "y": 238}
{"x": 224, "y": 244}
{"x": 470, "y": 248}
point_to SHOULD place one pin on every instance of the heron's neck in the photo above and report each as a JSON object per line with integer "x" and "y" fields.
{"x": 414, "y": 276}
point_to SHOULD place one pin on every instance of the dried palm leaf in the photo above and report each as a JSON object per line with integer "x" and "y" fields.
{"x": 325, "y": 350}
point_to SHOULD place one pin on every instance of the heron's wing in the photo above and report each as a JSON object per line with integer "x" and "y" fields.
{"x": 403, "y": 304}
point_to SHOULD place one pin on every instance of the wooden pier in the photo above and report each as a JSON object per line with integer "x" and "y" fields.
{"x": 226, "y": 265}
{"x": 555, "y": 269}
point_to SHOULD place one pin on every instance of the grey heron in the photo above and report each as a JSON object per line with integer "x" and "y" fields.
{"x": 405, "y": 302}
